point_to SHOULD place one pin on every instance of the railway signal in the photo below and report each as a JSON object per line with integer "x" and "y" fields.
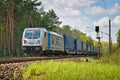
{"x": 97, "y": 29}
{"x": 98, "y": 36}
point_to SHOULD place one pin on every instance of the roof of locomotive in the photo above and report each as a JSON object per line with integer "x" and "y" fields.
{"x": 56, "y": 34}
{"x": 45, "y": 30}
{"x": 34, "y": 28}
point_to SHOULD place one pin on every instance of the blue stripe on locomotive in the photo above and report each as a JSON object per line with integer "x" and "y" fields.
{"x": 69, "y": 43}
{"x": 48, "y": 40}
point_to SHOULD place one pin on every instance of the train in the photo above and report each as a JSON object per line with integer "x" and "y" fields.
{"x": 40, "y": 41}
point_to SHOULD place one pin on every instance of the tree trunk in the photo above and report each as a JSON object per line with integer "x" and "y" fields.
{"x": 10, "y": 28}
{"x": 30, "y": 19}
{"x": 6, "y": 34}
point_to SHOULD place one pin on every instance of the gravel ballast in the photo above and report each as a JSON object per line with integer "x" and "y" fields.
{"x": 7, "y": 70}
{"x": 12, "y": 71}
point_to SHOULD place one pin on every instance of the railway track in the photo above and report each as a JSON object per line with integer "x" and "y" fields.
{"x": 25, "y": 59}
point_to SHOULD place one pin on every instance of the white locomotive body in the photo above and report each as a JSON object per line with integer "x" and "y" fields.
{"x": 40, "y": 39}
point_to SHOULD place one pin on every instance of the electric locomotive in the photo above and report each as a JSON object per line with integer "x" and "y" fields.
{"x": 39, "y": 41}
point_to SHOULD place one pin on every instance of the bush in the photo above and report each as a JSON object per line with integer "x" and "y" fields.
{"x": 113, "y": 58}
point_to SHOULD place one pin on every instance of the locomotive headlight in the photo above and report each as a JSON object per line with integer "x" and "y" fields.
{"x": 25, "y": 42}
{"x": 38, "y": 42}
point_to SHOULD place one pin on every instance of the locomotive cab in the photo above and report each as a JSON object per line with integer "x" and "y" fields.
{"x": 32, "y": 40}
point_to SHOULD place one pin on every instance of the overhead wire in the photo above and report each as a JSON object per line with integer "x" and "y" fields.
{"x": 110, "y": 38}
{"x": 100, "y": 31}
{"x": 64, "y": 12}
{"x": 74, "y": 17}
{"x": 107, "y": 11}
{"x": 76, "y": 23}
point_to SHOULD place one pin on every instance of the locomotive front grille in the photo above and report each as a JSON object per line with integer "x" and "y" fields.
{"x": 31, "y": 48}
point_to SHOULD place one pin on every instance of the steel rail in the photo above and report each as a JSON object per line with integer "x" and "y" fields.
{"x": 25, "y": 59}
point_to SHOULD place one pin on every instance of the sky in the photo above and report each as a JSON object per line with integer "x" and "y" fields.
{"x": 84, "y": 15}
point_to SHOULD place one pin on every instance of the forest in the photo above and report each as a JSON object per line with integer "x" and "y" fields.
{"x": 16, "y": 15}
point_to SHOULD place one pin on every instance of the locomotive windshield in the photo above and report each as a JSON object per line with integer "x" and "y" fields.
{"x": 32, "y": 34}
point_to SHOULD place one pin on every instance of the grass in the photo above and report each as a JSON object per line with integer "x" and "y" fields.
{"x": 70, "y": 70}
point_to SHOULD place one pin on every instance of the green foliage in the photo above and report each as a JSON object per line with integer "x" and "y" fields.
{"x": 49, "y": 20}
{"x": 95, "y": 43}
{"x": 89, "y": 40}
{"x": 118, "y": 38}
{"x": 105, "y": 46}
{"x": 68, "y": 70}
{"x": 66, "y": 29}
{"x": 114, "y": 57}
{"x": 53, "y": 19}
{"x": 2, "y": 28}
{"x": 76, "y": 34}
